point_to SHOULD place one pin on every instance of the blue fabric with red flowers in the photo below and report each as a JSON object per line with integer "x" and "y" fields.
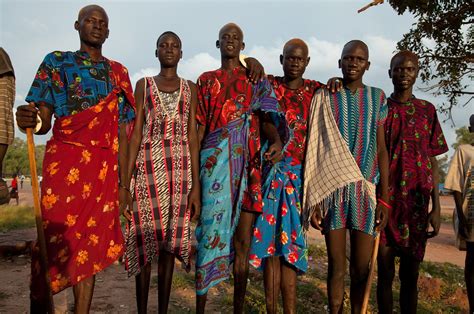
{"x": 278, "y": 230}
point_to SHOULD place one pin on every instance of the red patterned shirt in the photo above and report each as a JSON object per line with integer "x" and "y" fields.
{"x": 295, "y": 103}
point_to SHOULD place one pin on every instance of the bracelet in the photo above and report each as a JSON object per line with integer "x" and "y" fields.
{"x": 39, "y": 124}
{"x": 385, "y": 204}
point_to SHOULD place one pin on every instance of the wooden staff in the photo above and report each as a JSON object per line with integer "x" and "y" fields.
{"x": 373, "y": 3}
{"x": 368, "y": 285}
{"x": 39, "y": 220}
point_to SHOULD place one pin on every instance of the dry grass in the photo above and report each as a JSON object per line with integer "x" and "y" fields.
{"x": 16, "y": 217}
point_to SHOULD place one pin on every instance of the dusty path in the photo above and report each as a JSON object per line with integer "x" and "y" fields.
{"x": 14, "y": 271}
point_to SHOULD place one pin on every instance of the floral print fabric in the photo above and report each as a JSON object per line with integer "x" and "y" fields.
{"x": 278, "y": 230}
{"x": 229, "y": 107}
{"x": 79, "y": 192}
{"x": 412, "y": 135}
{"x": 70, "y": 82}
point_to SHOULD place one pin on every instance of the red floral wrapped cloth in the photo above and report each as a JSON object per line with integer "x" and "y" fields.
{"x": 79, "y": 193}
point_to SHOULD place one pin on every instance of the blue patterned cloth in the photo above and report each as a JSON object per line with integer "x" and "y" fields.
{"x": 358, "y": 115}
{"x": 278, "y": 230}
{"x": 224, "y": 181}
{"x": 70, "y": 82}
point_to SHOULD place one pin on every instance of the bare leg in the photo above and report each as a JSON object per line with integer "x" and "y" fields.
{"x": 362, "y": 245}
{"x": 336, "y": 247}
{"x": 288, "y": 287}
{"x": 469, "y": 275}
{"x": 83, "y": 292}
{"x": 3, "y": 151}
{"x": 271, "y": 281}
{"x": 165, "y": 278}
{"x": 242, "y": 239}
{"x": 142, "y": 286}
{"x": 408, "y": 273}
{"x": 386, "y": 273}
{"x": 201, "y": 303}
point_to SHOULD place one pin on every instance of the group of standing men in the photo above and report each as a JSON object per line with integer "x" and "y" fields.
{"x": 236, "y": 152}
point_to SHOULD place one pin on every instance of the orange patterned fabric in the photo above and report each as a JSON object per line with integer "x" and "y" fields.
{"x": 79, "y": 193}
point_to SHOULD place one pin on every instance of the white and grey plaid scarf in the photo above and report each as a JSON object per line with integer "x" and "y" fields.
{"x": 330, "y": 167}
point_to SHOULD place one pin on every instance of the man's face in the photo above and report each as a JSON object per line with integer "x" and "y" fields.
{"x": 230, "y": 41}
{"x": 294, "y": 61}
{"x": 168, "y": 50}
{"x": 354, "y": 62}
{"x": 403, "y": 72}
{"x": 93, "y": 27}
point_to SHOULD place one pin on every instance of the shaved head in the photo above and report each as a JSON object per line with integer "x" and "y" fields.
{"x": 89, "y": 8}
{"x": 231, "y": 25}
{"x": 355, "y": 43}
{"x": 296, "y": 42}
{"x": 404, "y": 55}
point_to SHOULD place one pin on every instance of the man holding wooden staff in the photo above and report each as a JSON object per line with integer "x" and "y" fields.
{"x": 92, "y": 100}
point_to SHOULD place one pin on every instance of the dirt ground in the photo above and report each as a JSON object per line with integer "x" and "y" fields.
{"x": 15, "y": 270}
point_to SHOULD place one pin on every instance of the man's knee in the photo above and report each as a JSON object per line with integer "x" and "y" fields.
{"x": 385, "y": 274}
{"x": 337, "y": 271}
{"x": 359, "y": 273}
{"x": 409, "y": 275}
{"x": 242, "y": 244}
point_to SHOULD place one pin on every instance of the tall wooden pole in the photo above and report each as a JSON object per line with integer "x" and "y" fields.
{"x": 370, "y": 277}
{"x": 39, "y": 220}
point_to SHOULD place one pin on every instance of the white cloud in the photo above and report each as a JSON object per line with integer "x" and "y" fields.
{"x": 35, "y": 25}
{"x": 191, "y": 68}
{"x": 142, "y": 73}
{"x": 268, "y": 56}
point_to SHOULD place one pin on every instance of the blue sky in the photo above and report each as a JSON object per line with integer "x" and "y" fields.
{"x": 31, "y": 29}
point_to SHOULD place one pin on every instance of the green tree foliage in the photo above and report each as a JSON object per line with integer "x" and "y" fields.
{"x": 16, "y": 160}
{"x": 442, "y": 37}
{"x": 443, "y": 167}
{"x": 463, "y": 136}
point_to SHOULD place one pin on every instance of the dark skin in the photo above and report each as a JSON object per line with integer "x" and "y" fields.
{"x": 169, "y": 53}
{"x": 403, "y": 72}
{"x": 278, "y": 274}
{"x": 353, "y": 63}
{"x": 464, "y": 233}
{"x": 92, "y": 26}
{"x": 230, "y": 43}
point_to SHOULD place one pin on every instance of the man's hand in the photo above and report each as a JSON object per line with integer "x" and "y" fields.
{"x": 334, "y": 84}
{"x": 26, "y": 116}
{"x": 316, "y": 220}
{"x": 255, "y": 70}
{"x": 125, "y": 203}
{"x": 381, "y": 217}
{"x": 274, "y": 153}
{"x": 194, "y": 204}
{"x": 434, "y": 220}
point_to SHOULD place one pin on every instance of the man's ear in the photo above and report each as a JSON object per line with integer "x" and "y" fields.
{"x": 390, "y": 73}
{"x": 368, "y": 66}
{"x": 307, "y": 61}
{"x": 339, "y": 63}
{"x": 217, "y": 44}
{"x": 281, "y": 59}
{"x": 181, "y": 54}
{"x": 76, "y": 25}
{"x": 243, "y": 46}
{"x": 107, "y": 35}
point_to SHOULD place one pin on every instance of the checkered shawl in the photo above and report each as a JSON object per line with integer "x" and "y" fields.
{"x": 330, "y": 167}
